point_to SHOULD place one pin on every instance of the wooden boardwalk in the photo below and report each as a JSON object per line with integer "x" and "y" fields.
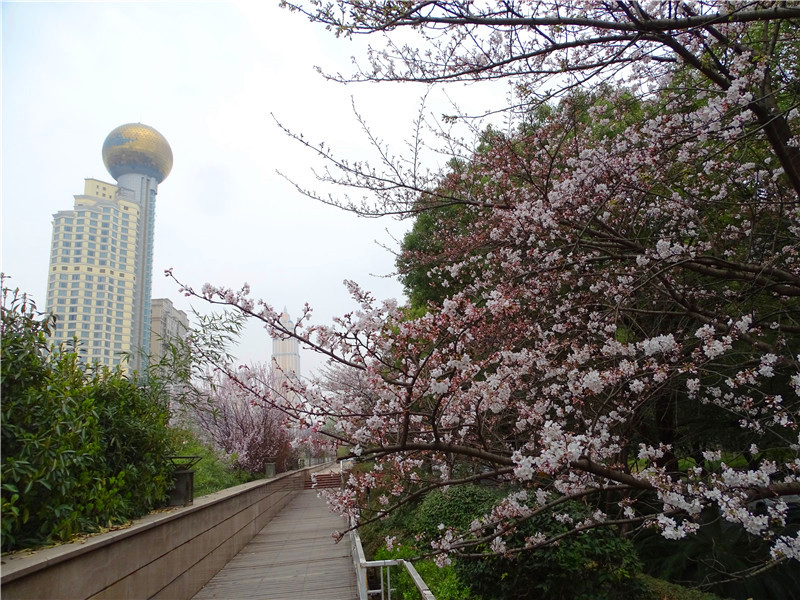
{"x": 293, "y": 557}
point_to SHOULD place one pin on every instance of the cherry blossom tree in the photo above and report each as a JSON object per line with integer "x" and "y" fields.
{"x": 741, "y": 53}
{"x": 233, "y": 411}
{"x": 616, "y": 317}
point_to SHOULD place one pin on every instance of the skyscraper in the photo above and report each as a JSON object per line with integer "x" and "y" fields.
{"x": 167, "y": 325}
{"x": 285, "y": 353}
{"x": 101, "y": 258}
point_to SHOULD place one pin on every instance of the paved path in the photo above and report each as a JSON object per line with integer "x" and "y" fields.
{"x": 293, "y": 557}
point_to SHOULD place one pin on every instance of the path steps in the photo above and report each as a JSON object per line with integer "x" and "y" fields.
{"x": 324, "y": 481}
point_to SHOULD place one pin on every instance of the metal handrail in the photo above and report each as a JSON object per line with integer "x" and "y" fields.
{"x": 362, "y": 564}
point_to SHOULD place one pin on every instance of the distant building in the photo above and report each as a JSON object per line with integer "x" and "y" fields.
{"x": 285, "y": 353}
{"x": 101, "y": 257}
{"x": 167, "y": 324}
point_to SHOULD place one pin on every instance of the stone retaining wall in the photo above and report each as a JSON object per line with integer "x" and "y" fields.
{"x": 169, "y": 554}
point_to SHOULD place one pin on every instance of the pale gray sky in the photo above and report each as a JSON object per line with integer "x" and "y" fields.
{"x": 208, "y": 76}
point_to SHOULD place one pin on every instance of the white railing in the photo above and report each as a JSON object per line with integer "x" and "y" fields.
{"x": 384, "y": 592}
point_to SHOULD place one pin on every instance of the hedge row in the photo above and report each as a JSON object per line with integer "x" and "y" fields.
{"x": 84, "y": 447}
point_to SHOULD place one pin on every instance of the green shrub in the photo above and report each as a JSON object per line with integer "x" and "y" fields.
{"x": 214, "y": 471}
{"x": 443, "y": 582}
{"x": 593, "y": 565}
{"x": 83, "y": 447}
{"x": 658, "y": 589}
{"x": 588, "y": 566}
{"x": 136, "y": 442}
{"x": 700, "y": 559}
{"x": 455, "y": 507}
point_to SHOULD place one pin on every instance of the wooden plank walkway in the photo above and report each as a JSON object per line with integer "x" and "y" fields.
{"x": 293, "y": 557}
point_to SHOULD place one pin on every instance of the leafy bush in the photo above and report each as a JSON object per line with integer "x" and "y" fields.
{"x": 420, "y": 518}
{"x": 443, "y": 582}
{"x": 83, "y": 447}
{"x": 594, "y": 565}
{"x": 400, "y": 524}
{"x": 701, "y": 560}
{"x": 589, "y": 566}
{"x": 658, "y": 589}
{"x": 214, "y": 472}
{"x": 455, "y": 507}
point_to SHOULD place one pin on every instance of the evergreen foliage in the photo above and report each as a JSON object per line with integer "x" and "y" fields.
{"x": 214, "y": 471}
{"x": 84, "y": 447}
{"x": 442, "y": 581}
{"x": 594, "y": 564}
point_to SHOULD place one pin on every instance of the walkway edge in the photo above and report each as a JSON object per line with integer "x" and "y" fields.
{"x": 142, "y": 560}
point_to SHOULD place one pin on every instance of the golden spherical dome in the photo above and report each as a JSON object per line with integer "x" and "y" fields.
{"x": 137, "y": 148}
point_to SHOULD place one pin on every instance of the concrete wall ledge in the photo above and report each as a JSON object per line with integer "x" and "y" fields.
{"x": 167, "y": 554}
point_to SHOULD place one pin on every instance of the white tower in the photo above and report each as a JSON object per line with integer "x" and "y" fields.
{"x": 285, "y": 353}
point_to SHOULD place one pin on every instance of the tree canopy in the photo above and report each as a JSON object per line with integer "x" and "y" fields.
{"x": 615, "y": 316}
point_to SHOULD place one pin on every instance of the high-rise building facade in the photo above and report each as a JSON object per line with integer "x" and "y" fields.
{"x": 101, "y": 257}
{"x": 285, "y": 353}
{"x": 167, "y": 325}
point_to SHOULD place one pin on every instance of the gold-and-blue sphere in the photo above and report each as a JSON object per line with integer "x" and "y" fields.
{"x": 137, "y": 148}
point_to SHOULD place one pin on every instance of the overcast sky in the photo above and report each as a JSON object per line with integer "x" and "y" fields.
{"x": 208, "y": 76}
